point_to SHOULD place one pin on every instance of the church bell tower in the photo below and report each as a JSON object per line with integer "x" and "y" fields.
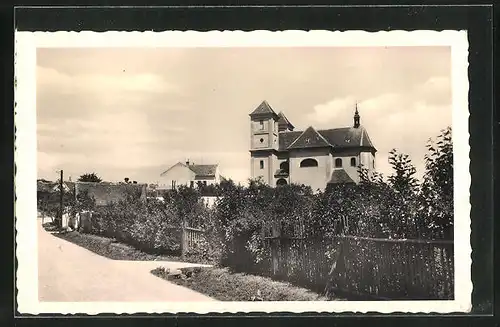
{"x": 263, "y": 142}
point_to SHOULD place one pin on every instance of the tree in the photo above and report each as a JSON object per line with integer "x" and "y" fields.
{"x": 403, "y": 179}
{"x": 90, "y": 177}
{"x": 437, "y": 189}
{"x": 126, "y": 179}
{"x": 402, "y": 200}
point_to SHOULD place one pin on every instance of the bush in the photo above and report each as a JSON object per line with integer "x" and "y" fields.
{"x": 223, "y": 285}
{"x": 396, "y": 207}
{"x": 238, "y": 228}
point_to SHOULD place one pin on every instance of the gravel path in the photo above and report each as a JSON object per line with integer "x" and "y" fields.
{"x": 69, "y": 273}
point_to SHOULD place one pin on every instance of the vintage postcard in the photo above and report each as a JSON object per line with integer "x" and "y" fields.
{"x": 208, "y": 172}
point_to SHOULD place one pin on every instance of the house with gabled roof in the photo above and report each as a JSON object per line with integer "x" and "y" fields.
{"x": 281, "y": 155}
{"x": 189, "y": 174}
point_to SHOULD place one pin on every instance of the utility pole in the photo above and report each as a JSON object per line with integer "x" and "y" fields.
{"x": 61, "y": 199}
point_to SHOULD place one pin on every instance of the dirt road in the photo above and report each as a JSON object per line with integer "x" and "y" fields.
{"x": 67, "y": 272}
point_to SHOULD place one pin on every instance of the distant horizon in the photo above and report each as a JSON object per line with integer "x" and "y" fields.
{"x": 134, "y": 112}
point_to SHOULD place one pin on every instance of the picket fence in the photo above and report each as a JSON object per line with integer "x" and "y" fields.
{"x": 189, "y": 237}
{"x": 366, "y": 267}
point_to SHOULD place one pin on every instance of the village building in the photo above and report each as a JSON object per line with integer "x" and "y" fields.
{"x": 281, "y": 155}
{"x": 188, "y": 174}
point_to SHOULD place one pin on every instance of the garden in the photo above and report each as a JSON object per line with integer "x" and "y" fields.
{"x": 241, "y": 230}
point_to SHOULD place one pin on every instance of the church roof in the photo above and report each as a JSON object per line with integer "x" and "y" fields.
{"x": 339, "y": 176}
{"x": 263, "y": 109}
{"x": 286, "y": 138}
{"x": 283, "y": 121}
{"x": 347, "y": 137}
{"x": 310, "y": 138}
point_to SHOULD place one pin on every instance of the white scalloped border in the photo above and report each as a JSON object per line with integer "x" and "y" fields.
{"x": 26, "y": 156}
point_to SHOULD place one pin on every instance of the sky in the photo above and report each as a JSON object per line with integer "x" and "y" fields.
{"x": 134, "y": 112}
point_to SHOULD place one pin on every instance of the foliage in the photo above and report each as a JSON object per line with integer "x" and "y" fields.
{"x": 224, "y": 285}
{"x": 403, "y": 179}
{"x": 50, "y": 203}
{"x": 437, "y": 188}
{"x": 90, "y": 177}
{"x": 239, "y": 228}
{"x": 152, "y": 227}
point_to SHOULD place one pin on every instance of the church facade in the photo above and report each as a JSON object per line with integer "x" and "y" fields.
{"x": 281, "y": 155}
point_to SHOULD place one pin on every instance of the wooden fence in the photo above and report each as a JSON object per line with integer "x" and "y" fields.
{"x": 189, "y": 237}
{"x": 367, "y": 267}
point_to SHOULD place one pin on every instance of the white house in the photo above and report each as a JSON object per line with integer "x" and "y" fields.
{"x": 188, "y": 174}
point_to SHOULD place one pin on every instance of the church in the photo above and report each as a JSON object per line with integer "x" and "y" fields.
{"x": 281, "y": 155}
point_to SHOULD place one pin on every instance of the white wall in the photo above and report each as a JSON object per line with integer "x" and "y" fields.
{"x": 346, "y": 164}
{"x": 270, "y": 165}
{"x": 367, "y": 159}
{"x": 316, "y": 177}
{"x": 179, "y": 173}
{"x": 260, "y": 145}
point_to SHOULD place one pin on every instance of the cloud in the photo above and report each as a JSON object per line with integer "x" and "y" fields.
{"x": 97, "y": 82}
{"x": 330, "y": 111}
{"x": 109, "y": 139}
{"x": 404, "y": 120}
{"x": 133, "y": 112}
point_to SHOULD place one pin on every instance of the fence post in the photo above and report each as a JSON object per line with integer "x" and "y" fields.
{"x": 183, "y": 239}
{"x": 61, "y": 200}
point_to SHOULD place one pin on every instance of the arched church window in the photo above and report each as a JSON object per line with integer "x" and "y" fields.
{"x": 353, "y": 162}
{"x": 308, "y": 163}
{"x": 262, "y": 164}
{"x": 338, "y": 163}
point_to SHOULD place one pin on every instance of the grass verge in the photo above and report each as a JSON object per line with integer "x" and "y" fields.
{"x": 223, "y": 285}
{"x": 110, "y": 248}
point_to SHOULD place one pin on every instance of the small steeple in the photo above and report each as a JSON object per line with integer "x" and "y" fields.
{"x": 356, "y": 117}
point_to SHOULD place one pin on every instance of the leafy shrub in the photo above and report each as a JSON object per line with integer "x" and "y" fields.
{"x": 239, "y": 227}
{"x": 223, "y": 285}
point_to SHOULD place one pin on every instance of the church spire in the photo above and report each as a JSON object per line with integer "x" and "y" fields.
{"x": 356, "y": 117}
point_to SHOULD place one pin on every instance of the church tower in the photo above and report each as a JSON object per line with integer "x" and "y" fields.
{"x": 264, "y": 142}
{"x": 356, "y": 117}
{"x": 367, "y": 150}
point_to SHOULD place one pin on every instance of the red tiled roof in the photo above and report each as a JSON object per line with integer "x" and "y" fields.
{"x": 204, "y": 170}
{"x": 264, "y": 109}
{"x": 339, "y": 176}
{"x": 287, "y": 138}
{"x": 347, "y": 137}
{"x": 283, "y": 122}
{"x": 310, "y": 138}
{"x": 199, "y": 170}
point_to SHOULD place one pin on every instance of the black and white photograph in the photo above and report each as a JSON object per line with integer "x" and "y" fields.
{"x": 233, "y": 171}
